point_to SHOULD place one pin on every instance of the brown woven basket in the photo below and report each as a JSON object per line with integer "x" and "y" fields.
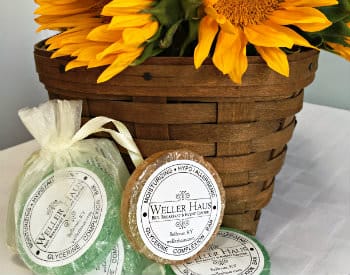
{"x": 167, "y": 104}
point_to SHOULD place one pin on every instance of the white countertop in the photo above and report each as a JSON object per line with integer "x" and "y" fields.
{"x": 306, "y": 226}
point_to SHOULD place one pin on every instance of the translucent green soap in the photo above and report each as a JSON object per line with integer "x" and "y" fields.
{"x": 123, "y": 260}
{"x": 232, "y": 253}
{"x": 70, "y": 222}
{"x": 136, "y": 263}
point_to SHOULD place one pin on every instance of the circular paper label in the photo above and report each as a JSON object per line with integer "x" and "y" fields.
{"x": 232, "y": 253}
{"x": 113, "y": 265}
{"x": 178, "y": 209}
{"x": 63, "y": 217}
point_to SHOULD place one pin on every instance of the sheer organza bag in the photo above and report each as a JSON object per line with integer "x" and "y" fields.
{"x": 64, "y": 210}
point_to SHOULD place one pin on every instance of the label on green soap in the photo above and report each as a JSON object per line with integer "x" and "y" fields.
{"x": 178, "y": 209}
{"x": 113, "y": 265}
{"x": 232, "y": 253}
{"x": 63, "y": 217}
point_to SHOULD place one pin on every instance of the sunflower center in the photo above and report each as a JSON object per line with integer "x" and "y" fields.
{"x": 246, "y": 12}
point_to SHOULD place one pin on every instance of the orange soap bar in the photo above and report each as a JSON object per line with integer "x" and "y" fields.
{"x": 172, "y": 206}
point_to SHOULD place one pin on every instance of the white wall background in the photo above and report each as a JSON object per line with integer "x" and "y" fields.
{"x": 332, "y": 84}
{"x": 20, "y": 87}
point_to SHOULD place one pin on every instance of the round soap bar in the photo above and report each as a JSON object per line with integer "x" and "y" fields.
{"x": 172, "y": 206}
{"x": 123, "y": 260}
{"x": 113, "y": 264}
{"x": 232, "y": 253}
{"x": 70, "y": 222}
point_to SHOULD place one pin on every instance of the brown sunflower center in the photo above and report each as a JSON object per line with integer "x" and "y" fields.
{"x": 246, "y": 12}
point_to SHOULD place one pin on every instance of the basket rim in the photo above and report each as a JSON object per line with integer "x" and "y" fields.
{"x": 187, "y": 60}
{"x": 176, "y": 77}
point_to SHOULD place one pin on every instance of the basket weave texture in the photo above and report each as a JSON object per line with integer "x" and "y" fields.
{"x": 167, "y": 104}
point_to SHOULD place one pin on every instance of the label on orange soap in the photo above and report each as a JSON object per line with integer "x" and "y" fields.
{"x": 178, "y": 209}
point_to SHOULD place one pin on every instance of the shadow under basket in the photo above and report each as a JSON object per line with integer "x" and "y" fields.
{"x": 167, "y": 104}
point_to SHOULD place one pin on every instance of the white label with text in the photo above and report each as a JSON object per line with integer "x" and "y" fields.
{"x": 178, "y": 209}
{"x": 232, "y": 253}
{"x": 63, "y": 217}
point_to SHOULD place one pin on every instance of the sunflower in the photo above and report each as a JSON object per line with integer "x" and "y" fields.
{"x": 99, "y": 33}
{"x": 266, "y": 24}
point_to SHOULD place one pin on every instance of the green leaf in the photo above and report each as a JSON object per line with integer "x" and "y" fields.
{"x": 169, "y": 36}
{"x": 345, "y": 4}
{"x": 167, "y": 12}
{"x": 156, "y": 36}
{"x": 190, "y": 8}
{"x": 192, "y": 35}
{"x": 336, "y": 33}
{"x": 335, "y": 39}
{"x": 148, "y": 52}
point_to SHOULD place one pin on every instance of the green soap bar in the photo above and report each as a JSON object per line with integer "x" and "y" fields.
{"x": 113, "y": 264}
{"x": 124, "y": 260}
{"x": 232, "y": 253}
{"x": 69, "y": 228}
{"x": 134, "y": 262}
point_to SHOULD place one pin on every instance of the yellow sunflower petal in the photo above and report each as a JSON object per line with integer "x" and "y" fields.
{"x": 129, "y": 21}
{"x": 114, "y": 48}
{"x": 312, "y": 27}
{"x": 66, "y": 50}
{"x": 275, "y": 58}
{"x": 81, "y": 18}
{"x": 109, "y": 11}
{"x": 137, "y": 36}
{"x": 93, "y": 63}
{"x": 89, "y": 53}
{"x": 297, "y": 38}
{"x": 228, "y": 27}
{"x": 66, "y": 38}
{"x": 71, "y": 8}
{"x": 218, "y": 17}
{"x": 306, "y": 18}
{"x": 208, "y": 29}
{"x": 239, "y": 58}
{"x": 122, "y": 61}
{"x": 223, "y": 56}
{"x": 83, "y": 46}
{"x": 75, "y": 64}
{"x": 103, "y": 34}
{"x": 308, "y": 3}
{"x": 268, "y": 36}
{"x": 117, "y": 4}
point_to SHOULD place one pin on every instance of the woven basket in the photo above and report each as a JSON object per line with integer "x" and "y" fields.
{"x": 167, "y": 104}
